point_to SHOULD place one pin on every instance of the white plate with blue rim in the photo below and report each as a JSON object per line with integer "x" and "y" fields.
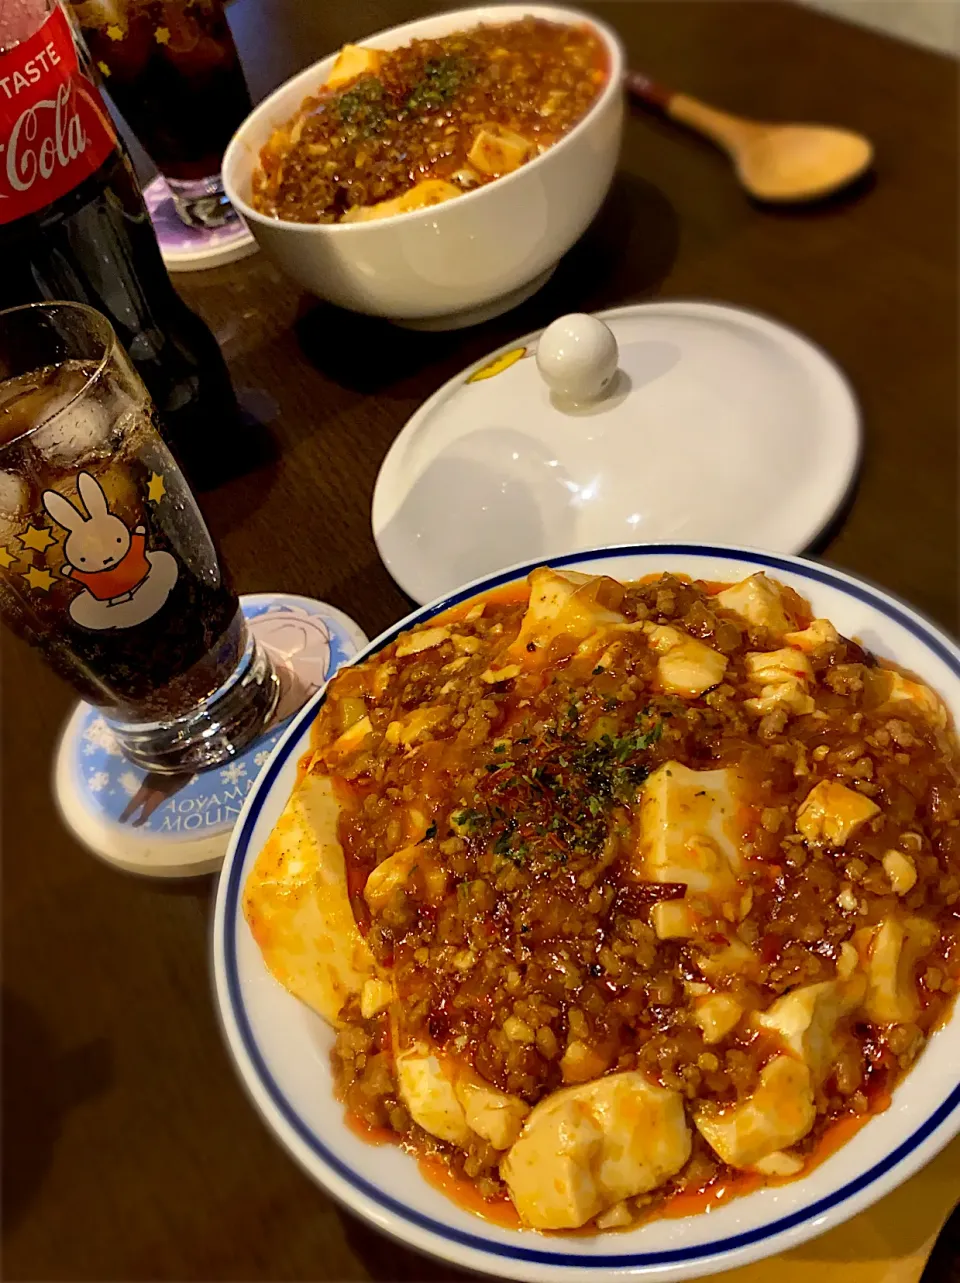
{"x": 281, "y": 1049}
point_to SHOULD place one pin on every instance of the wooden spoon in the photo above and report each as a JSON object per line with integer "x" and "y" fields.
{"x": 773, "y": 162}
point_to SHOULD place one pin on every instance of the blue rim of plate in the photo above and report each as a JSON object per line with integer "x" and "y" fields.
{"x": 926, "y": 632}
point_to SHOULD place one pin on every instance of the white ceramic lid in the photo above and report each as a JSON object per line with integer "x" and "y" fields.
{"x": 718, "y": 425}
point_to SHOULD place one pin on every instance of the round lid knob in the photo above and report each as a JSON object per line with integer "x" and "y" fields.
{"x": 577, "y": 357}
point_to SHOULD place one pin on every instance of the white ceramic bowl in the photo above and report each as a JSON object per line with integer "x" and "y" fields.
{"x": 282, "y": 1049}
{"x": 470, "y": 257}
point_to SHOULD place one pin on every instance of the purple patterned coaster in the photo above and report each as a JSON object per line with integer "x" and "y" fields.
{"x": 190, "y": 249}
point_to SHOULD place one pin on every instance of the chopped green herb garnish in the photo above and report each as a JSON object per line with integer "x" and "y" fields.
{"x": 563, "y": 791}
{"x": 442, "y": 77}
{"x": 497, "y": 766}
{"x": 362, "y": 109}
{"x": 508, "y": 782}
{"x": 470, "y": 819}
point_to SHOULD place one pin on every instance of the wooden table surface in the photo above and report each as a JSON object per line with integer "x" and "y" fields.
{"x": 130, "y": 1150}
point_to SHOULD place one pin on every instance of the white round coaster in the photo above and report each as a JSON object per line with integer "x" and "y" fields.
{"x": 174, "y": 826}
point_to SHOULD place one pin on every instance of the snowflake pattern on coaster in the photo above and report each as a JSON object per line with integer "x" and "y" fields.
{"x": 307, "y": 640}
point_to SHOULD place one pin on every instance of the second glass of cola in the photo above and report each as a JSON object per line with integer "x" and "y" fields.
{"x": 172, "y": 68}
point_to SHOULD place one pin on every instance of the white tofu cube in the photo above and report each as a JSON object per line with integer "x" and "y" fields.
{"x": 717, "y": 1015}
{"x": 393, "y": 873}
{"x": 583, "y": 1149}
{"x": 734, "y": 959}
{"x": 352, "y": 62}
{"x": 505, "y": 674}
{"x": 820, "y": 632}
{"x": 615, "y": 1218}
{"x": 349, "y": 741}
{"x": 562, "y": 603}
{"x": 901, "y": 871}
{"x": 416, "y": 725}
{"x": 428, "y": 1093}
{"x": 806, "y": 1019}
{"x": 672, "y": 920}
{"x": 431, "y": 191}
{"x": 779, "y": 1113}
{"x": 784, "y": 665}
{"x": 757, "y": 600}
{"x": 780, "y": 1163}
{"x": 549, "y": 1170}
{"x": 686, "y": 665}
{"x": 413, "y": 643}
{"x": 831, "y": 813}
{"x": 891, "y": 952}
{"x": 374, "y": 997}
{"x": 297, "y": 905}
{"x": 689, "y": 829}
{"x": 497, "y": 150}
{"x": 785, "y": 678}
{"x": 492, "y": 1114}
{"x": 582, "y": 1063}
{"x": 903, "y": 690}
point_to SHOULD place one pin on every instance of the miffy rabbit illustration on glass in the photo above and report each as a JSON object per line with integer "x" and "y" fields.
{"x": 111, "y": 564}
{"x": 106, "y": 564}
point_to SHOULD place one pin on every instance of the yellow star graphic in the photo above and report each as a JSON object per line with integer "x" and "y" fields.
{"x": 39, "y": 578}
{"x": 104, "y": 69}
{"x": 115, "y": 32}
{"x": 38, "y": 538}
{"x": 7, "y": 558}
{"x": 498, "y": 365}
{"x": 162, "y": 35}
{"x": 156, "y": 489}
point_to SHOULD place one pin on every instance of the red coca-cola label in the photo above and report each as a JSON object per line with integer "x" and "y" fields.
{"x": 54, "y": 128}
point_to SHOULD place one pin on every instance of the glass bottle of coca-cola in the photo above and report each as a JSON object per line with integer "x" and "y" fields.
{"x": 73, "y": 225}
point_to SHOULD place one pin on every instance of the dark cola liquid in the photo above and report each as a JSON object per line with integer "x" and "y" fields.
{"x": 183, "y": 94}
{"x": 156, "y": 669}
{"x": 96, "y": 245}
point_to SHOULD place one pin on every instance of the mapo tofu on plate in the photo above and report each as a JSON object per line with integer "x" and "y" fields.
{"x": 618, "y": 895}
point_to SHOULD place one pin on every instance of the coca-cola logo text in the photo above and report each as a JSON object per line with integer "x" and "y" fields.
{"x": 32, "y": 71}
{"x": 54, "y": 128}
{"x": 64, "y": 141}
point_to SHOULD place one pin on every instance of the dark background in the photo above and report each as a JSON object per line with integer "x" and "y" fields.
{"x": 129, "y": 1149}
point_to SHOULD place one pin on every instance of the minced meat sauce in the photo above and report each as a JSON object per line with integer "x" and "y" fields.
{"x": 521, "y": 928}
{"x": 418, "y": 117}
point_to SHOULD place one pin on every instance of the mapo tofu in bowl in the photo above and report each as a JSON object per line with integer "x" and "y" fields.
{"x": 622, "y": 898}
{"x": 398, "y": 130}
{"x": 437, "y": 172}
